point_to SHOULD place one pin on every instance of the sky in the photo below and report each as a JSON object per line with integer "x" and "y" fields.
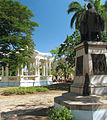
{"x": 54, "y": 22}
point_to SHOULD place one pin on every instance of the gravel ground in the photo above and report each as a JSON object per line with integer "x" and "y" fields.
{"x": 27, "y": 107}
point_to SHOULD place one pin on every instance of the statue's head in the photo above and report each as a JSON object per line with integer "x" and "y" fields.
{"x": 89, "y": 5}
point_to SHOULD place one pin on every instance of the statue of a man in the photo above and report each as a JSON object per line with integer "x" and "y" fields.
{"x": 91, "y": 26}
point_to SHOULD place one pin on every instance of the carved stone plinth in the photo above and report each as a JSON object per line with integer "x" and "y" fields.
{"x": 91, "y": 69}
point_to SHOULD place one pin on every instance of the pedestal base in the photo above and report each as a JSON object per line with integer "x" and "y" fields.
{"x": 94, "y": 90}
{"x": 84, "y": 107}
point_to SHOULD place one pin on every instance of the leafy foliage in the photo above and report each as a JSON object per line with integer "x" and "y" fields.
{"x": 16, "y": 44}
{"x": 59, "y": 114}
{"x": 54, "y": 53}
{"x": 63, "y": 69}
{"x": 24, "y": 90}
{"x": 64, "y": 64}
{"x": 67, "y": 48}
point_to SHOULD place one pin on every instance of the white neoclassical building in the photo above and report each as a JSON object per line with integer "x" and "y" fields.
{"x": 37, "y": 73}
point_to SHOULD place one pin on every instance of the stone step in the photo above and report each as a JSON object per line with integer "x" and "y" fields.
{"x": 74, "y": 97}
{"x": 82, "y": 104}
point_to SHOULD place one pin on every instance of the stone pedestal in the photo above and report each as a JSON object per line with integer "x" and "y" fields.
{"x": 88, "y": 94}
{"x": 91, "y": 69}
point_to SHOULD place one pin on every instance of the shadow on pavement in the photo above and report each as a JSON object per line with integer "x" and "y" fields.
{"x": 29, "y": 114}
{"x": 59, "y": 86}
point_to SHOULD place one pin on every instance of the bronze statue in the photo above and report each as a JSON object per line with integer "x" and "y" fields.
{"x": 91, "y": 26}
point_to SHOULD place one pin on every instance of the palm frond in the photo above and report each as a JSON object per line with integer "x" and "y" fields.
{"x": 74, "y": 3}
{"x": 77, "y": 23}
{"x": 74, "y": 6}
{"x": 74, "y": 18}
{"x": 72, "y": 9}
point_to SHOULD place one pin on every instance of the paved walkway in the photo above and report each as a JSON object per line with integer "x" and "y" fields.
{"x": 27, "y": 107}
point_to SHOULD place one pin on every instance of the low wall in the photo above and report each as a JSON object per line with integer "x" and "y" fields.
{"x": 13, "y": 81}
{"x": 16, "y": 81}
{"x": 28, "y": 83}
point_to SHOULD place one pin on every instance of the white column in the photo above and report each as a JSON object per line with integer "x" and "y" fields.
{"x": 43, "y": 71}
{"x": 22, "y": 69}
{"x": 49, "y": 67}
{"x": 32, "y": 68}
{"x": 7, "y": 70}
{"x": 28, "y": 68}
{"x": 2, "y": 70}
{"x": 36, "y": 66}
{"x": 46, "y": 68}
{"x": 38, "y": 70}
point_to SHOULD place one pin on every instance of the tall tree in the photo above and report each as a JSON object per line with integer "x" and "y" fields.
{"x": 63, "y": 69}
{"x": 54, "y": 53}
{"x": 59, "y": 65}
{"x": 64, "y": 56}
{"x": 16, "y": 27}
{"x": 67, "y": 48}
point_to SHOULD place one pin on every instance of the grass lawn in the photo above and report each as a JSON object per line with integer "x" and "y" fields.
{"x": 23, "y": 90}
{"x": 31, "y": 90}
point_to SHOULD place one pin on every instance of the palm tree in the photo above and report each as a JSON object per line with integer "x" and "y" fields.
{"x": 79, "y": 12}
{"x": 64, "y": 69}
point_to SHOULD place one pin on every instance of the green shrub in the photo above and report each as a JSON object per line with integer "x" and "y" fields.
{"x": 59, "y": 114}
{"x": 24, "y": 90}
{"x": 41, "y": 89}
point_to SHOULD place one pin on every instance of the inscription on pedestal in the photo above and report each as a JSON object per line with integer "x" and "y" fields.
{"x": 79, "y": 66}
{"x": 99, "y": 64}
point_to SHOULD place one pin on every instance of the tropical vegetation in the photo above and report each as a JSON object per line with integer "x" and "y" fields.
{"x": 59, "y": 113}
{"x": 16, "y": 27}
